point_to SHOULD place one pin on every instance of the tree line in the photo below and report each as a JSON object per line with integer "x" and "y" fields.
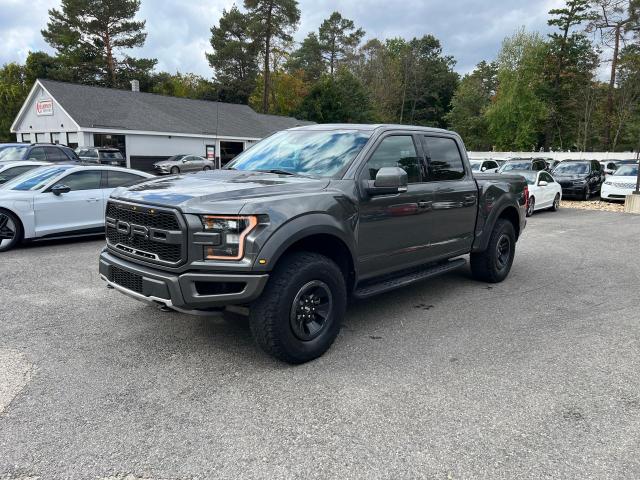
{"x": 539, "y": 93}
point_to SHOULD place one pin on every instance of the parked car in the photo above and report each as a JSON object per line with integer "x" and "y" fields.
{"x": 307, "y": 217}
{"x": 10, "y": 170}
{"x": 484, "y": 166}
{"x": 551, "y": 164}
{"x": 4, "y": 146}
{"x": 182, "y": 164}
{"x": 40, "y": 152}
{"x": 621, "y": 183}
{"x": 579, "y": 178}
{"x": 534, "y": 164}
{"x": 101, "y": 156}
{"x": 610, "y": 166}
{"x": 544, "y": 191}
{"x": 58, "y": 201}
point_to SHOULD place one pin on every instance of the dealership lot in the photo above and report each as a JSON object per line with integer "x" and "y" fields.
{"x": 534, "y": 377}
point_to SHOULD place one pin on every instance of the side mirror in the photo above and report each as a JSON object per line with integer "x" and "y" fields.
{"x": 483, "y": 169}
{"x": 389, "y": 180}
{"x": 60, "y": 189}
{"x": 184, "y": 160}
{"x": 542, "y": 183}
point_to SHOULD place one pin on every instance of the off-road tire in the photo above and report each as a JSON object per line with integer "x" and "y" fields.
{"x": 18, "y": 231}
{"x": 487, "y": 266}
{"x": 270, "y": 316}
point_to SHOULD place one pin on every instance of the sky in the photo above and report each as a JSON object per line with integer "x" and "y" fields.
{"x": 178, "y": 30}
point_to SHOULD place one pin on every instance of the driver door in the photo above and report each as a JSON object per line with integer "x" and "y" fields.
{"x": 394, "y": 229}
{"x": 81, "y": 209}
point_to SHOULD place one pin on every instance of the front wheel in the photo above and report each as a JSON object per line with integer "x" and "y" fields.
{"x": 10, "y": 230}
{"x": 298, "y": 315}
{"x": 556, "y": 203}
{"x": 206, "y": 167}
{"x": 587, "y": 194}
{"x": 531, "y": 207}
{"x": 494, "y": 264}
{"x": 175, "y": 170}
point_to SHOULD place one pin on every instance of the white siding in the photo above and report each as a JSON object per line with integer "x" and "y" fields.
{"x": 32, "y": 123}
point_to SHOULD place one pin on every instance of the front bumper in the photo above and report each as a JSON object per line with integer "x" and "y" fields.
{"x": 573, "y": 190}
{"x": 192, "y": 292}
{"x": 610, "y": 192}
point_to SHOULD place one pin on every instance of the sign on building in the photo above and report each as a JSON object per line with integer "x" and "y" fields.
{"x": 44, "y": 107}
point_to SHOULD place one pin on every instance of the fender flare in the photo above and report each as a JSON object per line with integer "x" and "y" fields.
{"x": 490, "y": 223}
{"x": 299, "y": 228}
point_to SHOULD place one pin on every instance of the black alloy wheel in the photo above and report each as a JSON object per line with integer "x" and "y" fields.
{"x": 310, "y": 310}
{"x": 503, "y": 252}
{"x": 10, "y": 230}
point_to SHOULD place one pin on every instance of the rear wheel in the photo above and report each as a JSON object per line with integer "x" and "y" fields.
{"x": 175, "y": 170}
{"x": 206, "y": 167}
{"x": 531, "y": 207}
{"x": 10, "y": 230}
{"x": 298, "y": 315}
{"x": 494, "y": 264}
{"x": 556, "y": 203}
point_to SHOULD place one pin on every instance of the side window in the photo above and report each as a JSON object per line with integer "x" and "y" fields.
{"x": 121, "y": 179}
{"x": 595, "y": 166}
{"x": 396, "y": 151}
{"x": 445, "y": 162}
{"x": 55, "y": 154}
{"x": 13, "y": 172}
{"x": 85, "y": 180}
{"x": 37, "y": 153}
{"x": 546, "y": 177}
{"x": 491, "y": 164}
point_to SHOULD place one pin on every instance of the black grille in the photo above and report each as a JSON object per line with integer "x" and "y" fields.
{"x": 126, "y": 279}
{"x": 151, "y": 245}
{"x": 161, "y": 220}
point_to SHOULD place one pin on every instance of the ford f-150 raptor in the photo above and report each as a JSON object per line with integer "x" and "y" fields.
{"x": 307, "y": 218}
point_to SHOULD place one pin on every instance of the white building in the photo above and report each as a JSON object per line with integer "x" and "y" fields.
{"x": 145, "y": 127}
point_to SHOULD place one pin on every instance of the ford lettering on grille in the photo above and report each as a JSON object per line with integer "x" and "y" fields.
{"x": 144, "y": 232}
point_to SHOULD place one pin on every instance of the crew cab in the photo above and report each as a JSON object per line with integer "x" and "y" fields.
{"x": 306, "y": 219}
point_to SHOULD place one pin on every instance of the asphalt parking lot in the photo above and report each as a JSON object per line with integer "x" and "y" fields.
{"x": 537, "y": 377}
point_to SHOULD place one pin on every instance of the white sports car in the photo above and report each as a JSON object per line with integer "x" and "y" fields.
{"x": 59, "y": 201}
{"x": 544, "y": 191}
{"x": 620, "y": 184}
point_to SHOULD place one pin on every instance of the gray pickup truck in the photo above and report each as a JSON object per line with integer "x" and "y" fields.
{"x": 306, "y": 219}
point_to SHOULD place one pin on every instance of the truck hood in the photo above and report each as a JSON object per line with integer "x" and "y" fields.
{"x": 216, "y": 191}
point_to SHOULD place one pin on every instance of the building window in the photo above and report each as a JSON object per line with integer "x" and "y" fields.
{"x": 42, "y": 138}
{"x": 55, "y": 137}
{"x": 26, "y": 137}
{"x": 110, "y": 141}
{"x": 72, "y": 139}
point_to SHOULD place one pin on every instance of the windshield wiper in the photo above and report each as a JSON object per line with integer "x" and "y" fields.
{"x": 278, "y": 171}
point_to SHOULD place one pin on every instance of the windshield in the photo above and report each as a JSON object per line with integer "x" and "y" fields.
{"x": 12, "y": 153}
{"x": 522, "y": 165}
{"x": 567, "y": 168}
{"x": 35, "y": 179}
{"x": 475, "y": 166}
{"x": 627, "y": 171}
{"x": 109, "y": 154}
{"x": 317, "y": 153}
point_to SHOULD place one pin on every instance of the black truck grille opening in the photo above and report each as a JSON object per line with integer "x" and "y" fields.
{"x": 160, "y": 220}
{"x": 144, "y": 232}
{"x": 125, "y": 279}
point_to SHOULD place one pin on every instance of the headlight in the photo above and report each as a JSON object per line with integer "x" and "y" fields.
{"x": 232, "y": 230}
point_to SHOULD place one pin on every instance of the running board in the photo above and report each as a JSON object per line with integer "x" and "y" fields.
{"x": 406, "y": 277}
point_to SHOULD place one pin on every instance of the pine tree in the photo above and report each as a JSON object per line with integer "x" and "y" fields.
{"x": 271, "y": 21}
{"x": 91, "y": 38}
{"x": 338, "y": 38}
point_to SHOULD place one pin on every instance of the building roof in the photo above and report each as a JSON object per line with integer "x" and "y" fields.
{"x": 109, "y": 108}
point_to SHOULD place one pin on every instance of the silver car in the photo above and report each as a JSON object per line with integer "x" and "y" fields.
{"x": 182, "y": 163}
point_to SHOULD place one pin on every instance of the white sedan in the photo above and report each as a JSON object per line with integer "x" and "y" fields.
{"x": 479, "y": 165}
{"x": 620, "y": 184}
{"x": 544, "y": 191}
{"x": 10, "y": 170}
{"x": 59, "y": 201}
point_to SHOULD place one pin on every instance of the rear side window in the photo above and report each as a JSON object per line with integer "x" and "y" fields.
{"x": 396, "y": 151}
{"x": 37, "y": 153}
{"x": 13, "y": 172}
{"x": 86, "y": 180}
{"x": 546, "y": 177}
{"x": 121, "y": 179}
{"x": 55, "y": 154}
{"x": 445, "y": 162}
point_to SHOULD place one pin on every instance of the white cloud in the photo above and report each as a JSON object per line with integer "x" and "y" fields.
{"x": 178, "y": 32}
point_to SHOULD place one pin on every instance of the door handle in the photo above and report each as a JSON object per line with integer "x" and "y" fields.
{"x": 469, "y": 200}
{"x": 93, "y": 200}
